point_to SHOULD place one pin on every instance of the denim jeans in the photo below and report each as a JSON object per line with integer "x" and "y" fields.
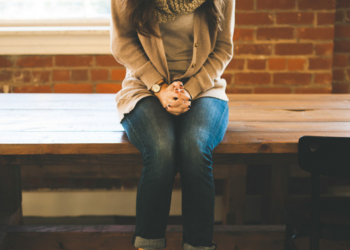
{"x": 171, "y": 144}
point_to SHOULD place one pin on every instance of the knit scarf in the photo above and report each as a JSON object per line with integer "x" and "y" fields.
{"x": 167, "y": 10}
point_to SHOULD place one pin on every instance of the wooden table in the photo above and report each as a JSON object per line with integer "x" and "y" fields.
{"x": 70, "y": 135}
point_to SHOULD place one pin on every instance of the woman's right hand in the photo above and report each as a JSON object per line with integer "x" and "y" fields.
{"x": 174, "y": 99}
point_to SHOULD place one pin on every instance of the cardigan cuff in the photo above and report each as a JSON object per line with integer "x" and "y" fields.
{"x": 150, "y": 76}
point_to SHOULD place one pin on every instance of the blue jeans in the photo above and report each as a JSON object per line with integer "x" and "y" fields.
{"x": 171, "y": 144}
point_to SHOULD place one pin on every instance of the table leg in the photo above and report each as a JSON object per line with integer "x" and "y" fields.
{"x": 10, "y": 195}
{"x": 274, "y": 193}
{"x": 234, "y": 195}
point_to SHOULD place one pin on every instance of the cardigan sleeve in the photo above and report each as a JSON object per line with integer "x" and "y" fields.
{"x": 218, "y": 59}
{"x": 127, "y": 49}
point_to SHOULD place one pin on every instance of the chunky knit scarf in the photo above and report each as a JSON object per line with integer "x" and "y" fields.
{"x": 168, "y": 10}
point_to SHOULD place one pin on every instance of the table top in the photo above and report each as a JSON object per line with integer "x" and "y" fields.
{"x": 32, "y": 124}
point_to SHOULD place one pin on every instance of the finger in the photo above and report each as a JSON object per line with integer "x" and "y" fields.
{"x": 180, "y": 103}
{"x": 178, "y": 85}
{"x": 182, "y": 96}
{"x": 176, "y": 110}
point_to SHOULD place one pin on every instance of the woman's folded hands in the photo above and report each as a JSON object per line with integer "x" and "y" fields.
{"x": 174, "y": 98}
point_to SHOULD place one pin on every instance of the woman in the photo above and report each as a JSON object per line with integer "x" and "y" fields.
{"x": 173, "y": 107}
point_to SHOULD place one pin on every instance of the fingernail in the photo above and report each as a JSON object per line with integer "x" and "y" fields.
{"x": 175, "y": 98}
{"x": 176, "y": 89}
{"x": 169, "y": 105}
{"x": 190, "y": 99}
{"x": 182, "y": 85}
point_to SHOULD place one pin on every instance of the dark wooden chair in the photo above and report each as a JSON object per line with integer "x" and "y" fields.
{"x": 320, "y": 217}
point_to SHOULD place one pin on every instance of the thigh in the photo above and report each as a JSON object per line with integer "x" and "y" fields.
{"x": 205, "y": 123}
{"x": 149, "y": 126}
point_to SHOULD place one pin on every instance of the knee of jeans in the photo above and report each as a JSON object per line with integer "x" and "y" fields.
{"x": 195, "y": 156}
{"x": 159, "y": 158}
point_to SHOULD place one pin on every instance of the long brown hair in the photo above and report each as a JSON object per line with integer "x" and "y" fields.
{"x": 140, "y": 15}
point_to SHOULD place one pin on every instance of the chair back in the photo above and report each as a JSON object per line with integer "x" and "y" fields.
{"x": 329, "y": 156}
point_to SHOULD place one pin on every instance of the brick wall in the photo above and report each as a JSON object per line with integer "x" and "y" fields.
{"x": 281, "y": 46}
{"x": 60, "y": 74}
{"x": 341, "y": 58}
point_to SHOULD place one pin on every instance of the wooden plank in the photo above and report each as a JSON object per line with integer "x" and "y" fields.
{"x": 3, "y": 241}
{"x": 99, "y": 171}
{"x": 107, "y": 120}
{"x": 234, "y": 195}
{"x": 54, "y": 97}
{"x": 111, "y": 126}
{"x": 10, "y": 188}
{"x": 233, "y": 104}
{"x": 37, "y": 143}
{"x": 115, "y": 237}
{"x": 127, "y": 160}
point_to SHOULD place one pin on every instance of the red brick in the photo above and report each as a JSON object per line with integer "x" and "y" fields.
{"x": 41, "y": 76}
{"x": 295, "y": 18}
{"x": 323, "y": 78}
{"x": 342, "y": 46}
{"x": 320, "y": 63}
{"x": 253, "y": 18}
{"x": 341, "y": 88}
{"x": 108, "y": 88}
{"x": 73, "y": 61}
{"x": 325, "y": 18}
{"x": 343, "y": 4}
{"x": 5, "y": 75}
{"x": 252, "y": 78}
{"x": 292, "y": 78}
{"x": 236, "y": 64}
{"x": 293, "y": 48}
{"x": 60, "y": 75}
{"x": 227, "y": 77}
{"x": 73, "y": 88}
{"x": 324, "y": 49}
{"x": 22, "y": 76}
{"x": 277, "y": 64}
{"x": 325, "y": 90}
{"x": 118, "y": 74}
{"x": 296, "y": 64}
{"x": 255, "y": 49}
{"x": 317, "y": 4}
{"x": 272, "y": 90}
{"x": 234, "y": 90}
{"x": 339, "y": 16}
{"x": 34, "y": 61}
{"x": 275, "y": 33}
{"x": 243, "y": 35}
{"x": 340, "y": 60}
{"x": 106, "y": 61}
{"x": 256, "y": 64}
{"x": 342, "y": 31}
{"x": 32, "y": 89}
{"x": 79, "y": 75}
{"x": 275, "y": 4}
{"x": 338, "y": 75}
{"x": 99, "y": 74}
{"x": 5, "y": 62}
{"x": 315, "y": 33}
{"x": 244, "y": 4}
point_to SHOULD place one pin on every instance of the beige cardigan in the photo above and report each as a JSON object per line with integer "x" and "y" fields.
{"x": 145, "y": 59}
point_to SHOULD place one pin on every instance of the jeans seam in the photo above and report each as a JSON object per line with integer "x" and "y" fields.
{"x": 218, "y": 127}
